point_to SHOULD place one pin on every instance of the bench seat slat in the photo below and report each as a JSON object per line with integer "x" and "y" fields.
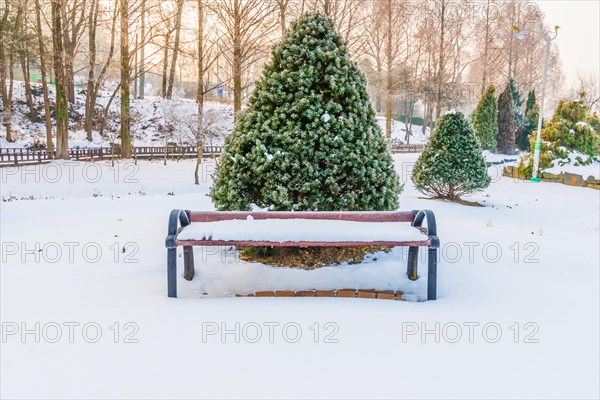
{"x": 301, "y": 230}
{"x": 178, "y": 242}
{"x": 363, "y": 216}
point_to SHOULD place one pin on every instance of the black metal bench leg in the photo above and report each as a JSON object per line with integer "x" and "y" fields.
{"x": 413, "y": 259}
{"x": 188, "y": 262}
{"x": 172, "y": 272}
{"x": 432, "y": 274}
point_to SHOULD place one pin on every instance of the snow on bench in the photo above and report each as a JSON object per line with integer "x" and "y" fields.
{"x": 301, "y": 229}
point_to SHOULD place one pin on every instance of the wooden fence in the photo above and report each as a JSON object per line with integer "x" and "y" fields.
{"x": 21, "y": 156}
{"x": 29, "y": 156}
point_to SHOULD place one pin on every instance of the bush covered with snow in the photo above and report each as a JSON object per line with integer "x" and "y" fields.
{"x": 451, "y": 164}
{"x": 309, "y": 139}
{"x": 570, "y": 137}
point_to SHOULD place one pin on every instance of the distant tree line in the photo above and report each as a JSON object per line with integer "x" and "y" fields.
{"x": 416, "y": 53}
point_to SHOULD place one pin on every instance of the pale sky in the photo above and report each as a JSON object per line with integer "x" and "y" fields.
{"x": 579, "y": 34}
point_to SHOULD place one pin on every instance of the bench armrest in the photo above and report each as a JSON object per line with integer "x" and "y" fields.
{"x": 431, "y": 225}
{"x": 176, "y": 219}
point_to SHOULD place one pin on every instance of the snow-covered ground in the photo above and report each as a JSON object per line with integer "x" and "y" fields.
{"x": 566, "y": 165}
{"x": 399, "y": 131}
{"x": 517, "y": 313}
{"x": 154, "y": 120}
{"x": 572, "y": 164}
{"x": 494, "y": 158}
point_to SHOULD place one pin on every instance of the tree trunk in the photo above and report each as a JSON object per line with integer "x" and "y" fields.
{"x": 388, "y": 84}
{"x": 42, "y": 50}
{"x": 441, "y": 65}
{"x": 94, "y": 84}
{"x": 135, "y": 68}
{"x": 142, "y": 53}
{"x": 69, "y": 51}
{"x": 24, "y": 59}
{"x": 327, "y": 7}
{"x": 125, "y": 77}
{"x": 409, "y": 121}
{"x": 62, "y": 138}
{"x": 9, "y": 103}
{"x": 165, "y": 66}
{"x": 200, "y": 93}
{"x": 237, "y": 58}
{"x": 486, "y": 48}
{"x": 175, "y": 48}
{"x": 283, "y": 4}
{"x": 378, "y": 86}
{"x": 90, "y": 100}
{"x": 105, "y": 113}
{"x": 6, "y": 101}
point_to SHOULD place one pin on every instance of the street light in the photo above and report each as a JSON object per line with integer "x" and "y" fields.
{"x": 522, "y": 34}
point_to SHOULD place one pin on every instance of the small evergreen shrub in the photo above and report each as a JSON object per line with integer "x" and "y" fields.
{"x": 532, "y": 110}
{"x": 570, "y": 137}
{"x": 505, "y": 143}
{"x": 520, "y": 119}
{"x": 485, "y": 119}
{"x": 451, "y": 164}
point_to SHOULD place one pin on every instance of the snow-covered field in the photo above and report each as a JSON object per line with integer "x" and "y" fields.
{"x": 517, "y": 313}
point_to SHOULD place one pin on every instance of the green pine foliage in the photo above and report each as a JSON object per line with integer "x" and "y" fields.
{"x": 570, "y": 137}
{"x": 505, "y": 143}
{"x": 451, "y": 164}
{"x": 309, "y": 139}
{"x": 520, "y": 120}
{"x": 532, "y": 112}
{"x": 572, "y": 127}
{"x": 485, "y": 119}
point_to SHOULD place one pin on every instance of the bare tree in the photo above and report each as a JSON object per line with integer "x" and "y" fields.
{"x": 207, "y": 55}
{"x": 62, "y": 123}
{"x": 95, "y": 80}
{"x": 4, "y": 49}
{"x": 125, "y": 81}
{"x": 350, "y": 17}
{"x": 74, "y": 17}
{"x": 42, "y": 51}
{"x": 283, "y": 6}
{"x": 247, "y": 33}
{"x": 23, "y": 40}
{"x": 587, "y": 88}
{"x": 142, "y": 66}
{"x": 176, "y": 49}
{"x": 375, "y": 48}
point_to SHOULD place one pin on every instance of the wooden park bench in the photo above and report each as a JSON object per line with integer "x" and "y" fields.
{"x": 301, "y": 229}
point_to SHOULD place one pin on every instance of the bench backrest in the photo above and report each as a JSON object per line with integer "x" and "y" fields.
{"x": 359, "y": 216}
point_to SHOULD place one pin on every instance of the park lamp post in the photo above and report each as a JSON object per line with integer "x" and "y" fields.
{"x": 548, "y": 37}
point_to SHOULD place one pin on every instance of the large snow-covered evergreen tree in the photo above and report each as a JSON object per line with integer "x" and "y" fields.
{"x": 485, "y": 119}
{"x": 309, "y": 139}
{"x": 451, "y": 164}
